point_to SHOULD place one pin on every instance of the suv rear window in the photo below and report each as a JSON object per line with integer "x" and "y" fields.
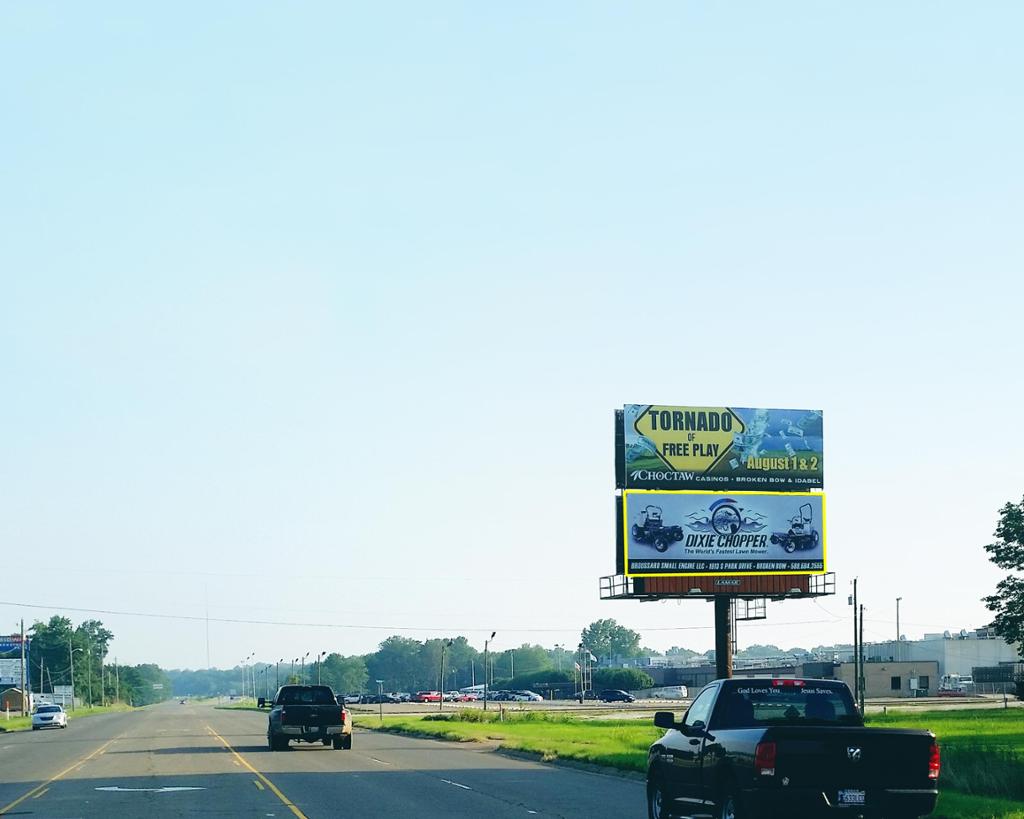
{"x": 760, "y": 703}
{"x": 312, "y": 695}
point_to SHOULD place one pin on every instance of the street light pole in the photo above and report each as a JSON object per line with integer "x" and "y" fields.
{"x": 277, "y": 674}
{"x": 88, "y": 671}
{"x": 319, "y": 660}
{"x": 898, "y": 652}
{"x": 486, "y": 643}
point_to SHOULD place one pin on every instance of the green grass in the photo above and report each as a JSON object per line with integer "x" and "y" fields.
{"x": 982, "y": 750}
{"x": 619, "y": 744}
{"x": 25, "y": 723}
{"x": 953, "y": 805}
{"x": 240, "y": 706}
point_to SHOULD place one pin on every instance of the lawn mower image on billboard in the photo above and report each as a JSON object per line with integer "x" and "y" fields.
{"x": 648, "y": 527}
{"x": 801, "y": 533}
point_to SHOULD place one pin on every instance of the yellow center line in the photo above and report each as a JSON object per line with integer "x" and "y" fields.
{"x": 277, "y": 792}
{"x": 39, "y": 790}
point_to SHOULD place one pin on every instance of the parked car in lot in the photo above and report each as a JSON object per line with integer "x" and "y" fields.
{"x": 353, "y": 699}
{"x": 526, "y": 696}
{"x": 375, "y": 699}
{"x": 307, "y": 713}
{"x": 426, "y": 696}
{"x": 787, "y": 748}
{"x": 616, "y": 695}
{"x": 49, "y": 716}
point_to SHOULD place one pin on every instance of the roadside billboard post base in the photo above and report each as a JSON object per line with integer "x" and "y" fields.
{"x": 723, "y": 636}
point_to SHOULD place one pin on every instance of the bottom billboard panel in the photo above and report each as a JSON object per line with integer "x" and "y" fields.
{"x": 722, "y": 533}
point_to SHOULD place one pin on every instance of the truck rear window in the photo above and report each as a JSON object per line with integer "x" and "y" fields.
{"x": 306, "y": 696}
{"x": 786, "y": 704}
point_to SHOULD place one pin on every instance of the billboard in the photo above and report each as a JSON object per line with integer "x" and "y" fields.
{"x": 727, "y": 448}
{"x": 717, "y": 533}
{"x": 10, "y": 672}
{"x": 12, "y": 642}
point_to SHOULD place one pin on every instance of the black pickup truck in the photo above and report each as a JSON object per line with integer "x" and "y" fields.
{"x": 753, "y": 748}
{"x": 307, "y": 713}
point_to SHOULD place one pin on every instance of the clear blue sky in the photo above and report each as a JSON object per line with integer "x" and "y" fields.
{"x": 322, "y": 311}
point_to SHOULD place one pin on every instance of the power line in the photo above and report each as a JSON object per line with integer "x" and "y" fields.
{"x": 353, "y": 626}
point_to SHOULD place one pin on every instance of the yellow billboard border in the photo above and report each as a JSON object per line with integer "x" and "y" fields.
{"x": 766, "y": 573}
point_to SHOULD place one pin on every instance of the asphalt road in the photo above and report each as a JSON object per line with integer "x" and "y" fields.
{"x": 193, "y": 760}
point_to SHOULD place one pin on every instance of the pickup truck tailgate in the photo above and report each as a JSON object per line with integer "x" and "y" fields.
{"x": 852, "y": 758}
{"x": 311, "y": 716}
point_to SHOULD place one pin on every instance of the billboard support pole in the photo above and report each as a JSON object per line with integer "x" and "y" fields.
{"x": 723, "y": 637}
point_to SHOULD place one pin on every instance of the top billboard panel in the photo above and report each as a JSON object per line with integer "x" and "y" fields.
{"x": 710, "y": 448}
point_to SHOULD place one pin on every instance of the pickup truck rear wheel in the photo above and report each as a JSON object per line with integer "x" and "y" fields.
{"x": 730, "y": 810}
{"x": 277, "y": 743}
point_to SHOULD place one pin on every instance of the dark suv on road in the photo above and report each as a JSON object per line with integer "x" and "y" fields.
{"x": 616, "y": 695}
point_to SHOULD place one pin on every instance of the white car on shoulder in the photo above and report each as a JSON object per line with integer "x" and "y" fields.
{"x": 49, "y": 716}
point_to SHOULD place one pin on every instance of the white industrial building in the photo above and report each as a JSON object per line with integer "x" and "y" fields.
{"x": 956, "y": 652}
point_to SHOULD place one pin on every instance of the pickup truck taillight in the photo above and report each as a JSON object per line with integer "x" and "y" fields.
{"x": 344, "y": 716}
{"x": 764, "y": 759}
{"x": 934, "y": 762}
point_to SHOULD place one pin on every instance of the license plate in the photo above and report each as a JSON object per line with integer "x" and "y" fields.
{"x": 850, "y": 797}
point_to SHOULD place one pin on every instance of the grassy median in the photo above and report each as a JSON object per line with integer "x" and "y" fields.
{"x": 982, "y": 776}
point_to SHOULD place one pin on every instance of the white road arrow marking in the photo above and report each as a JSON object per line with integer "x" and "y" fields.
{"x": 169, "y": 789}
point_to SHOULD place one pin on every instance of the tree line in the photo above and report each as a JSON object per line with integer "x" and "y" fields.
{"x": 61, "y": 652}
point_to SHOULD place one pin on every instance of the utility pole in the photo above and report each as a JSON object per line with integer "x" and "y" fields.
{"x": 856, "y": 647}
{"x": 24, "y": 693}
{"x": 117, "y": 682}
{"x": 71, "y": 662}
{"x": 444, "y": 644}
{"x": 512, "y": 659}
{"x": 88, "y": 671}
{"x": 486, "y": 642}
{"x": 862, "y": 680}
